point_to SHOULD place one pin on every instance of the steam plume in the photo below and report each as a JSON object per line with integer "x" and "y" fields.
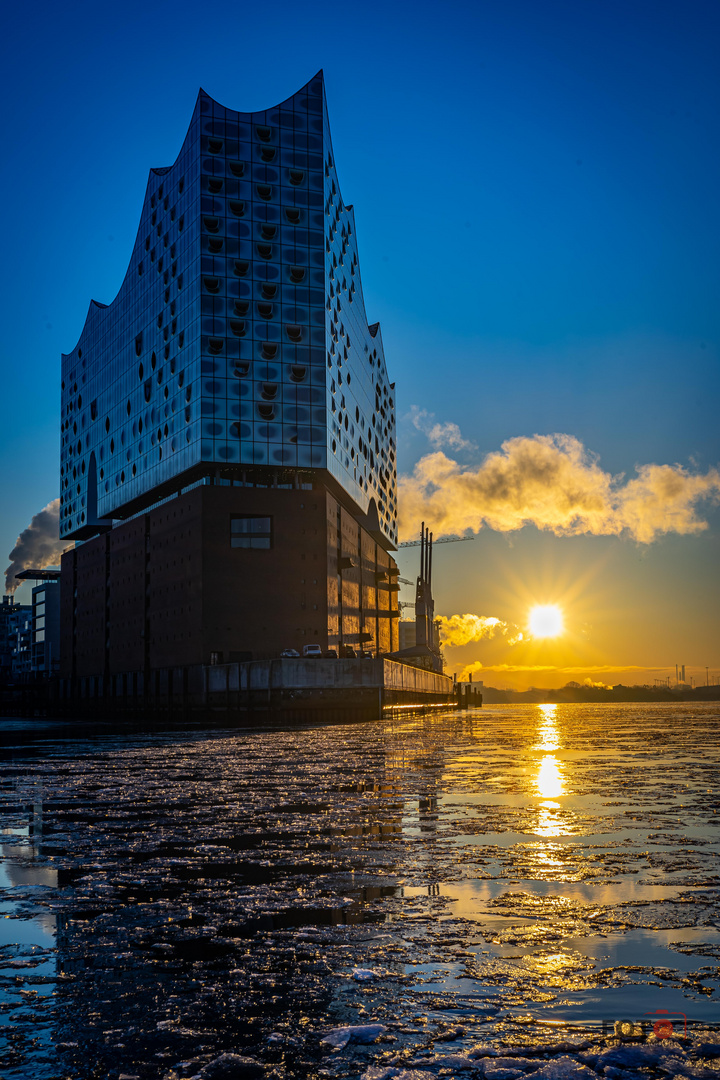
{"x": 38, "y": 546}
{"x": 447, "y": 434}
{"x": 554, "y": 483}
{"x": 462, "y": 629}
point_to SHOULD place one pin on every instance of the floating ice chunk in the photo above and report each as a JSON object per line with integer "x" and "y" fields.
{"x": 363, "y": 974}
{"x": 507, "y": 1068}
{"x": 361, "y": 1033}
{"x": 645, "y": 1054}
{"x": 708, "y": 1050}
{"x": 231, "y": 1067}
{"x": 450, "y": 1034}
{"x": 452, "y": 1061}
{"x": 564, "y": 1068}
{"x": 484, "y": 1050}
{"x": 375, "y": 1073}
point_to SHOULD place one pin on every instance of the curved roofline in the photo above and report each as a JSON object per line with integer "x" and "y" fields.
{"x": 161, "y": 170}
{"x": 267, "y": 108}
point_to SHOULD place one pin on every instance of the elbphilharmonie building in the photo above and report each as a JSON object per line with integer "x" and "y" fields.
{"x": 228, "y": 459}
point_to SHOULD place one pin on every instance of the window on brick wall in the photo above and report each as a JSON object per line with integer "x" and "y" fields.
{"x": 250, "y": 531}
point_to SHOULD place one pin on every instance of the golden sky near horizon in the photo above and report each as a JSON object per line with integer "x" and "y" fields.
{"x": 630, "y": 612}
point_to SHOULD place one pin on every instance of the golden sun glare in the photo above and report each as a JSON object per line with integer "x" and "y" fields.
{"x": 546, "y": 620}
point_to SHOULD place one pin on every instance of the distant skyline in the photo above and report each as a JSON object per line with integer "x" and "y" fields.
{"x": 535, "y": 190}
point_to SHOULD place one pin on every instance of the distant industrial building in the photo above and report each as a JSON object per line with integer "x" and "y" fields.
{"x": 30, "y": 633}
{"x": 228, "y": 458}
{"x": 15, "y": 638}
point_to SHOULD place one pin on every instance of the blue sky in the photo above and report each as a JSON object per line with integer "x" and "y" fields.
{"x": 535, "y": 187}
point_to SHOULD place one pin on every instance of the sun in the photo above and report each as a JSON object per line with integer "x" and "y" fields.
{"x": 546, "y": 621}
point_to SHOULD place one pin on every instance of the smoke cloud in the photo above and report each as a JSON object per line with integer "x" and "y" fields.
{"x": 556, "y": 484}
{"x": 462, "y": 629}
{"x": 37, "y": 546}
{"x": 596, "y": 685}
{"x": 447, "y": 434}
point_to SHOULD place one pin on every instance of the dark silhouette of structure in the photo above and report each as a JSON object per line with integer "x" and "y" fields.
{"x": 228, "y": 426}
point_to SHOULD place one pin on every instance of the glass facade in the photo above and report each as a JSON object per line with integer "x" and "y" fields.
{"x": 238, "y": 339}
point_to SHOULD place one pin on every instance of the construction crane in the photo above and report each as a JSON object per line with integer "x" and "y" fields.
{"x": 442, "y": 540}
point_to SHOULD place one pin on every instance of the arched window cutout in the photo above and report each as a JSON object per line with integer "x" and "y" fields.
{"x": 267, "y": 412}
{"x": 215, "y": 185}
{"x": 237, "y": 208}
{"x": 269, "y": 291}
{"x": 215, "y": 145}
{"x": 297, "y": 274}
{"x": 241, "y": 369}
{"x": 269, "y": 391}
{"x": 264, "y": 251}
{"x": 241, "y": 307}
{"x": 292, "y": 214}
{"x": 212, "y": 224}
{"x": 264, "y": 191}
{"x": 263, "y": 133}
{"x": 269, "y": 350}
{"x": 215, "y": 245}
{"x": 296, "y": 177}
{"x": 265, "y": 311}
{"x": 267, "y": 153}
{"x": 215, "y": 345}
{"x": 269, "y": 232}
{"x": 138, "y": 344}
{"x": 294, "y": 332}
{"x": 241, "y": 267}
{"x": 238, "y": 327}
{"x": 298, "y": 372}
{"x": 237, "y": 168}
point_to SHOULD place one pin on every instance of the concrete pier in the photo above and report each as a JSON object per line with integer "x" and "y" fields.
{"x": 278, "y": 690}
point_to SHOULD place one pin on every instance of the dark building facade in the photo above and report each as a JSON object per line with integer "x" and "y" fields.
{"x": 228, "y": 427}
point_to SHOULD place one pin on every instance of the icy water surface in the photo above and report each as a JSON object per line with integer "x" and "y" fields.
{"x": 474, "y": 894}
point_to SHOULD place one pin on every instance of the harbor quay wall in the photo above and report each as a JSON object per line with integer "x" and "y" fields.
{"x": 299, "y": 674}
{"x": 352, "y": 689}
{"x": 282, "y": 689}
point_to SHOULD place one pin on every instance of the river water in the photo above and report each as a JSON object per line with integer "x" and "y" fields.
{"x": 482, "y": 894}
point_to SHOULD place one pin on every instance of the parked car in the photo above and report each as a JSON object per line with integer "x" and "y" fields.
{"x": 289, "y": 653}
{"x": 312, "y": 650}
{"x": 365, "y": 655}
{"x": 330, "y": 654}
{"x": 347, "y": 652}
